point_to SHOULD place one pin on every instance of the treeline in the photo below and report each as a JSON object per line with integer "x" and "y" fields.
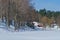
{"x": 17, "y": 11}
{"x": 20, "y": 12}
{"x": 49, "y": 17}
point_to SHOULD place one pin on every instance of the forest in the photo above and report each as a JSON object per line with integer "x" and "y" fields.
{"x": 48, "y": 16}
{"x": 21, "y": 12}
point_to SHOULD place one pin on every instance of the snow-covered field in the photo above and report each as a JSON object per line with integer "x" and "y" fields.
{"x": 30, "y": 35}
{"x": 23, "y": 34}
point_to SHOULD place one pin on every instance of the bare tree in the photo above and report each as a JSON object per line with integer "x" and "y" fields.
{"x": 17, "y": 10}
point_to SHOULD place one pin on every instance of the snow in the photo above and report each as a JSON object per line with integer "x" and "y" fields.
{"x": 26, "y": 33}
{"x": 35, "y": 23}
{"x": 30, "y": 35}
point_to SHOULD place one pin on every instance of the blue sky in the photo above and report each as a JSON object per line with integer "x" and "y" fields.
{"x": 53, "y": 5}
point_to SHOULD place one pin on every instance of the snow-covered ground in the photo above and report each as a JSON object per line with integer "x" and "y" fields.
{"x": 30, "y": 35}
{"x": 26, "y": 33}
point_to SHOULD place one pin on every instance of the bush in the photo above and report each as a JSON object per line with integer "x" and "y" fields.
{"x": 30, "y": 25}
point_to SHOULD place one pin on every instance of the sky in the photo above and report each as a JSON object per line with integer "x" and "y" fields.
{"x": 53, "y": 5}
